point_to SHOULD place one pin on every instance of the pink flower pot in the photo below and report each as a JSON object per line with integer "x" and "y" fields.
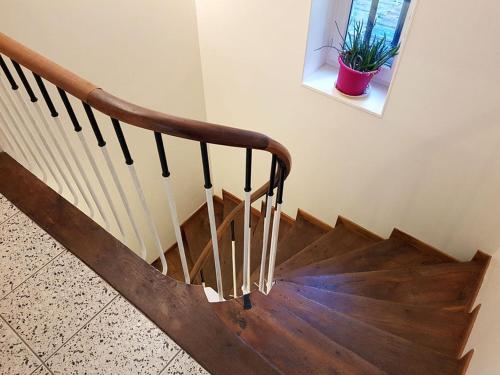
{"x": 352, "y": 82}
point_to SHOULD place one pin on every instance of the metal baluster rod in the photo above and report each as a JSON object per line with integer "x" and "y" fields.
{"x": 172, "y": 206}
{"x": 17, "y": 126}
{"x": 54, "y": 113}
{"x": 32, "y": 120}
{"x": 102, "y": 144}
{"x": 246, "y": 223}
{"x": 275, "y": 231}
{"x": 267, "y": 223}
{"x": 9, "y": 135}
{"x": 211, "y": 217}
{"x": 7, "y": 139}
{"x": 140, "y": 193}
{"x": 233, "y": 258}
{"x": 78, "y": 129}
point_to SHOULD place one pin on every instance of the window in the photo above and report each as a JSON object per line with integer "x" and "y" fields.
{"x": 381, "y": 18}
{"x": 331, "y": 20}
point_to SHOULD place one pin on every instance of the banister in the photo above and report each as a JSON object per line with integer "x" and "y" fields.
{"x": 137, "y": 115}
{"x": 129, "y": 113}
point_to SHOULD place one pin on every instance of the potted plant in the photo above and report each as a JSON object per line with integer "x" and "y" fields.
{"x": 360, "y": 59}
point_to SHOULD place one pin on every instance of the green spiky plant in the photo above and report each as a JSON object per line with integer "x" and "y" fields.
{"x": 362, "y": 54}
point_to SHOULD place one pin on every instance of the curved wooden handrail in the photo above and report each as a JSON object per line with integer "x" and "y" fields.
{"x": 148, "y": 119}
{"x": 136, "y": 115}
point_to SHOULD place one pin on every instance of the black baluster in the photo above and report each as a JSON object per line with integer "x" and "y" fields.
{"x": 279, "y": 195}
{"x": 248, "y": 171}
{"x": 24, "y": 81}
{"x": 206, "y": 165}
{"x": 7, "y": 73}
{"x": 95, "y": 127}
{"x": 69, "y": 109}
{"x": 46, "y": 96}
{"x": 122, "y": 141}
{"x": 162, "y": 155}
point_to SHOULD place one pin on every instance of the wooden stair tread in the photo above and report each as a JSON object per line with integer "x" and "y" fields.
{"x": 437, "y": 329}
{"x": 292, "y": 345}
{"x": 386, "y": 255}
{"x": 388, "y": 352}
{"x": 446, "y": 284}
{"x": 303, "y": 232}
{"x": 180, "y": 310}
{"x": 338, "y": 241}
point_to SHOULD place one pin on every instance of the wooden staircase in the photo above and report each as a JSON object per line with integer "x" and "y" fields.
{"x": 347, "y": 301}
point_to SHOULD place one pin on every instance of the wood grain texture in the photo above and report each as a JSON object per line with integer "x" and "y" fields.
{"x": 336, "y": 242}
{"x": 136, "y": 115}
{"x": 438, "y": 329}
{"x": 180, "y": 310}
{"x": 442, "y": 285}
{"x": 389, "y": 254}
{"x": 303, "y": 232}
{"x": 289, "y": 342}
{"x": 388, "y": 352}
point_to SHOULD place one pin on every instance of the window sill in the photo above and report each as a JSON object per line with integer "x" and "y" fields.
{"x": 323, "y": 81}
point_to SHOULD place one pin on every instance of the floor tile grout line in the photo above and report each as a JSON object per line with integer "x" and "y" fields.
{"x": 34, "y": 274}
{"x": 169, "y": 362}
{"x": 11, "y": 216}
{"x": 83, "y": 326}
{"x": 24, "y": 342}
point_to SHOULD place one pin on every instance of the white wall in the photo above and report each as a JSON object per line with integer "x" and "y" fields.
{"x": 145, "y": 52}
{"x": 430, "y": 166}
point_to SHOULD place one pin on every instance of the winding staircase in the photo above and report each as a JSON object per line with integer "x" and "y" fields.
{"x": 294, "y": 295}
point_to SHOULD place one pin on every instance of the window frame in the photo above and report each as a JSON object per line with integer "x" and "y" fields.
{"x": 342, "y": 13}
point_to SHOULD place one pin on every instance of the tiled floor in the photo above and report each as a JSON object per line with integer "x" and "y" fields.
{"x": 58, "y": 317}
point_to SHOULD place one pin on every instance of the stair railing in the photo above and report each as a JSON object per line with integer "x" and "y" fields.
{"x": 30, "y": 144}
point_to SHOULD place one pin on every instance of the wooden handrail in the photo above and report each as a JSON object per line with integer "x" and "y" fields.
{"x": 136, "y": 115}
{"x": 145, "y": 118}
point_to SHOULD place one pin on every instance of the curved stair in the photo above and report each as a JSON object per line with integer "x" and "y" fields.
{"x": 345, "y": 301}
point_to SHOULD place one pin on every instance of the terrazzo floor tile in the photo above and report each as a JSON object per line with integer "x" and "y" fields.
{"x": 47, "y": 309}
{"x": 119, "y": 340}
{"x": 42, "y": 371}
{"x": 24, "y": 249}
{"x": 15, "y": 356}
{"x": 183, "y": 364}
{"x": 7, "y": 209}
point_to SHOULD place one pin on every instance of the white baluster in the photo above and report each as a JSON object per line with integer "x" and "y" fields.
{"x": 124, "y": 199}
{"x": 59, "y": 126}
{"x": 61, "y": 153}
{"x": 177, "y": 228}
{"x": 149, "y": 217}
{"x": 17, "y": 125}
{"x": 233, "y": 258}
{"x": 8, "y": 146}
{"x": 265, "y": 242}
{"x": 11, "y": 138}
{"x": 274, "y": 246}
{"x": 32, "y": 138}
{"x": 246, "y": 244}
{"x": 99, "y": 178}
{"x": 215, "y": 243}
